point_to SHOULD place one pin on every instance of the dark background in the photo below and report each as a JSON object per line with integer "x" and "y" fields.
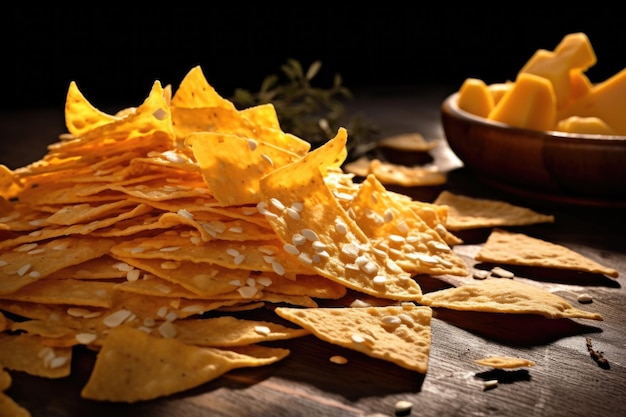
{"x": 115, "y": 52}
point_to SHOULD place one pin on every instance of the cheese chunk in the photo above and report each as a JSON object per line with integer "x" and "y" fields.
{"x": 586, "y": 125}
{"x": 530, "y": 103}
{"x": 475, "y": 97}
{"x": 574, "y": 52}
{"x": 606, "y": 100}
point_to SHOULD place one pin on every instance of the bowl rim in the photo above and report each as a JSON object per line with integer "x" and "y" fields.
{"x": 450, "y": 105}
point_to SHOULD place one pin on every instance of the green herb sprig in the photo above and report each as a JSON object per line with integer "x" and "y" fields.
{"x": 309, "y": 112}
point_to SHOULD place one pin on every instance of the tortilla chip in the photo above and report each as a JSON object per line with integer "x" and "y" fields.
{"x": 469, "y": 213}
{"x": 134, "y": 366}
{"x": 504, "y": 247}
{"x": 504, "y": 362}
{"x": 28, "y": 354}
{"x": 501, "y": 295}
{"x": 398, "y": 334}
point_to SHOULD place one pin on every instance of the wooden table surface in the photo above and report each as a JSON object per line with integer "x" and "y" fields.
{"x": 565, "y": 381}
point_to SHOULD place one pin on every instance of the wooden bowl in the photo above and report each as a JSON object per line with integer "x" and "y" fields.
{"x": 546, "y": 164}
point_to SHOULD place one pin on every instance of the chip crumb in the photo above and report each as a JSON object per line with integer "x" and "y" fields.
{"x": 585, "y": 298}
{"x": 339, "y": 360}
{"x": 403, "y": 408}
{"x": 480, "y": 274}
{"x": 490, "y": 384}
{"x": 501, "y": 272}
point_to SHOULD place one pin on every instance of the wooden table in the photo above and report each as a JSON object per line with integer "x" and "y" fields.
{"x": 565, "y": 381}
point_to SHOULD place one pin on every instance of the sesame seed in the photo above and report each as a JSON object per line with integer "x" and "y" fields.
{"x": 298, "y": 239}
{"x": 291, "y": 249}
{"x": 169, "y": 265}
{"x": 169, "y": 249}
{"x": 388, "y": 215}
{"x": 391, "y": 320}
{"x": 26, "y": 247}
{"x": 34, "y": 274}
{"x": 262, "y": 330}
{"x": 379, "y": 279}
{"x": 318, "y": 246}
{"x": 167, "y": 330}
{"x": 117, "y": 318}
{"x": 310, "y": 234}
{"x": 194, "y": 308}
{"x": 268, "y": 159}
{"x": 247, "y": 292}
{"x": 297, "y": 206}
{"x": 501, "y": 272}
{"x": 277, "y": 204}
{"x": 235, "y": 229}
{"x": 585, "y": 299}
{"x": 36, "y": 251}
{"x": 341, "y": 227}
{"x": 264, "y": 281}
{"x": 232, "y": 252}
{"x": 403, "y": 227}
{"x": 58, "y": 361}
{"x": 239, "y": 259}
{"x": 305, "y": 258}
{"x": 123, "y": 266}
{"x": 23, "y": 269}
{"x": 133, "y": 275}
{"x": 403, "y": 408}
{"x": 252, "y": 144}
{"x": 490, "y": 384}
{"x": 278, "y": 268}
{"x": 268, "y": 259}
{"x": 350, "y": 250}
{"x": 3, "y": 262}
{"x": 293, "y": 213}
{"x": 339, "y": 360}
{"x": 396, "y": 238}
{"x": 85, "y": 338}
{"x": 480, "y": 274}
{"x": 359, "y": 303}
{"x": 357, "y": 338}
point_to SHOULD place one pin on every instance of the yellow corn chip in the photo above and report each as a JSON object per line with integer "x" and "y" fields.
{"x": 470, "y": 212}
{"x": 134, "y": 366}
{"x": 318, "y": 232}
{"x": 32, "y": 261}
{"x": 228, "y": 331}
{"x": 80, "y": 115}
{"x": 398, "y": 334}
{"x": 26, "y": 353}
{"x": 511, "y": 248}
{"x": 501, "y": 295}
{"x": 396, "y": 229}
{"x": 504, "y": 362}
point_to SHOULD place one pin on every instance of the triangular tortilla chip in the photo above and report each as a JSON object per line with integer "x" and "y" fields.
{"x": 134, "y": 366}
{"x": 470, "y": 213}
{"x": 504, "y": 362}
{"x": 398, "y": 334}
{"x": 502, "y": 295}
{"x": 511, "y": 248}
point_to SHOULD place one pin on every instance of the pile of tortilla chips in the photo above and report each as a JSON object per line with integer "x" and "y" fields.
{"x": 134, "y": 226}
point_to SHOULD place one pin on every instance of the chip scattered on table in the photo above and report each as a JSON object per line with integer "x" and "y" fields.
{"x": 504, "y": 362}
{"x": 505, "y": 247}
{"x": 498, "y": 295}
{"x": 398, "y": 334}
{"x": 471, "y": 213}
